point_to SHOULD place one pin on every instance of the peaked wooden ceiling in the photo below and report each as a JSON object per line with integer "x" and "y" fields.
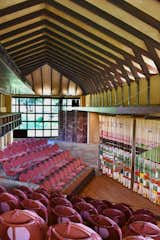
{"x": 98, "y": 44}
{"x": 48, "y": 81}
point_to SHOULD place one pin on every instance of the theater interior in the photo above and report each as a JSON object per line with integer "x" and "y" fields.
{"x": 80, "y": 119}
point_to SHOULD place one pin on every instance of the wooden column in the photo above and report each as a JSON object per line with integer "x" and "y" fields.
{"x": 133, "y": 155}
{"x": 148, "y": 91}
{"x": 137, "y": 97}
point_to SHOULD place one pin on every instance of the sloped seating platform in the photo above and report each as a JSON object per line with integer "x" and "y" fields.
{"x": 80, "y": 182}
{"x": 46, "y": 165}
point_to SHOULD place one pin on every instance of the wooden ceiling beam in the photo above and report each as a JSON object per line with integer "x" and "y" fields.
{"x": 137, "y": 13}
{"x": 89, "y": 22}
{"x": 27, "y": 59}
{"x": 114, "y": 20}
{"x": 70, "y": 76}
{"x": 19, "y": 7}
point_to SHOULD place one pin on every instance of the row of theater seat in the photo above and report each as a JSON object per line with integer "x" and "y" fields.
{"x": 17, "y": 148}
{"x": 21, "y": 163}
{"x": 73, "y": 217}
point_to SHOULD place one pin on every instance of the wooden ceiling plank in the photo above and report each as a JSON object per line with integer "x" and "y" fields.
{"x": 109, "y": 37}
{"x": 70, "y": 75}
{"x": 72, "y": 10}
{"x": 85, "y": 77}
{"x": 112, "y": 12}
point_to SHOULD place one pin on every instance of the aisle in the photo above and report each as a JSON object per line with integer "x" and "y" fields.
{"x": 102, "y": 187}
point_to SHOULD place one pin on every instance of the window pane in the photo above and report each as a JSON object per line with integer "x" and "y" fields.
{"x": 23, "y": 125}
{"x": 23, "y": 109}
{"x": 31, "y": 109}
{"x": 54, "y": 133}
{"x": 31, "y": 101}
{"x": 39, "y": 133}
{"x": 24, "y": 117}
{"x": 47, "y": 133}
{"x": 31, "y": 133}
{"x": 47, "y": 125}
{"x": 31, "y": 125}
{"x": 54, "y": 109}
{"x": 54, "y": 117}
{"x": 39, "y": 109}
{"x": 31, "y": 117}
{"x": 39, "y": 101}
{"x": 39, "y": 125}
{"x": 39, "y": 117}
{"x": 55, "y": 101}
{"x": 47, "y": 109}
{"x": 47, "y": 117}
{"x": 69, "y": 102}
{"x": 64, "y": 102}
{"x": 13, "y": 101}
{"x": 54, "y": 125}
{"x": 47, "y": 101}
{"x": 13, "y": 108}
{"x": 22, "y": 101}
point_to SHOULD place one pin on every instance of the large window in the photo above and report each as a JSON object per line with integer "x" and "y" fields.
{"x": 40, "y": 116}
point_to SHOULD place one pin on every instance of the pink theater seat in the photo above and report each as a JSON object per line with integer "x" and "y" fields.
{"x": 105, "y": 227}
{"x": 43, "y": 191}
{"x": 19, "y": 194}
{"x": 145, "y": 229}
{"x": 142, "y": 217}
{"x": 8, "y": 202}
{"x": 35, "y": 206}
{"x": 25, "y": 189}
{"x": 60, "y": 201}
{"x": 22, "y": 225}
{"x": 62, "y": 214}
{"x": 124, "y": 208}
{"x": 116, "y": 215}
{"x": 74, "y": 231}
{"x": 2, "y": 189}
{"x": 85, "y": 210}
{"x": 144, "y": 211}
{"x": 41, "y": 197}
{"x": 136, "y": 238}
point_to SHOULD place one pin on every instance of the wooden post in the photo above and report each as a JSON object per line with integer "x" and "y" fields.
{"x": 133, "y": 155}
{"x": 137, "y": 97}
{"x": 148, "y": 91}
{"x": 129, "y": 94}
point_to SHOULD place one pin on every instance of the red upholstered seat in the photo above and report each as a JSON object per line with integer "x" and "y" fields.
{"x": 22, "y": 225}
{"x": 74, "y": 231}
{"x": 142, "y": 217}
{"x": 19, "y": 194}
{"x": 116, "y": 215}
{"x": 40, "y": 197}
{"x": 43, "y": 191}
{"x": 75, "y": 198}
{"x": 136, "y": 238}
{"x": 35, "y": 206}
{"x": 85, "y": 209}
{"x": 144, "y": 211}
{"x": 105, "y": 227}
{"x": 60, "y": 201}
{"x": 8, "y": 202}
{"x": 2, "y": 189}
{"x": 145, "y": 229}
{"x": 61, "y": 214}
{"x": 124, "y": 208}
{"x": 25, "y": 189}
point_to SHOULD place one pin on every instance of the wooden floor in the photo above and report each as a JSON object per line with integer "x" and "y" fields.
{"x": 102, "y": 187}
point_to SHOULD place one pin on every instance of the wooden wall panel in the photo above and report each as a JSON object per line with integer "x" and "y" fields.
{"x": 143, "y": 91}
{"x": 134, "y": 93}
{"x": 155, "y": 89}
